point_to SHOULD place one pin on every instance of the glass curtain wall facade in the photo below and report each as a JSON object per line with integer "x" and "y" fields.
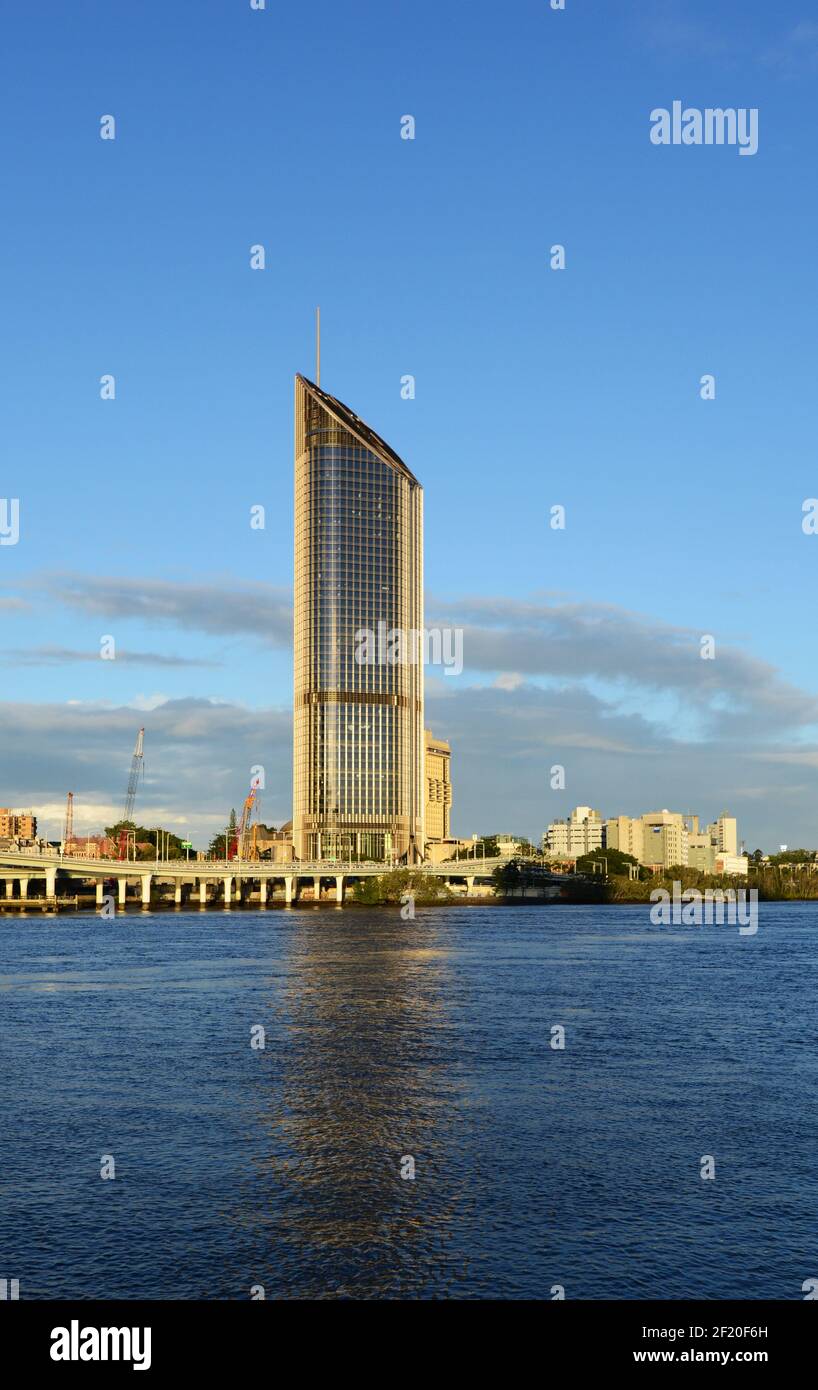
{"x": 358, "y": 716}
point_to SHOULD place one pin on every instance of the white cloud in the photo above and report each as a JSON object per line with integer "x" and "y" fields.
{"x": 228, "y": 609}
{"x": 603, "y": 690}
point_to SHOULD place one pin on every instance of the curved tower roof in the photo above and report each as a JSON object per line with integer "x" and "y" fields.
{"x": 352, "y": 422}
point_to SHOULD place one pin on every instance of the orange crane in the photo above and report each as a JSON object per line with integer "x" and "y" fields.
{"x": 238, "y": 849}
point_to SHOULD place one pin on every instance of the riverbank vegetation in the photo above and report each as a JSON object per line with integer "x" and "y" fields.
{"x": 399, "y": 885}
{"x": 770, "y": 882}
{"x": 611, "y": 876}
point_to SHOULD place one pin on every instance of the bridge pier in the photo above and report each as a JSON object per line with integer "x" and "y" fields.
{"x": 239, "y": 879}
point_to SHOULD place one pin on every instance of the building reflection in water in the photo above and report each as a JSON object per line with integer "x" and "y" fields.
{"x": 358, "y": 1075}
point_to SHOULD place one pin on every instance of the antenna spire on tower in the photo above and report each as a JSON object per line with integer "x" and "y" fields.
{"x": 318, "y": 346}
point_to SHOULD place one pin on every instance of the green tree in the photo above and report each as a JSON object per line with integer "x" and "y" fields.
{"x": 507, "y": 878}
{"x": 618, "y": 863}
{"x": 219, "y": 846}
{"x": 395, "y": 885}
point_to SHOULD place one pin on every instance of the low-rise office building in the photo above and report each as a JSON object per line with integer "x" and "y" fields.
{"x": 735, "y": 864}
{"x": 508, "y": 844}
{"x": 275, "y": 845}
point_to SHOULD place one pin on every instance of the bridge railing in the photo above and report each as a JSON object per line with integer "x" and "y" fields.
{"x": 260, "y": 868}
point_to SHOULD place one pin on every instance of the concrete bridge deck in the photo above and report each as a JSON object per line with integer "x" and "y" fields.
{"x": 23, "y": 866}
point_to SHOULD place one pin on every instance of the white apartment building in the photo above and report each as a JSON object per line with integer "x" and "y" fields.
{"x": 724, "y": 833}
{"x": 658, "y": 839}
{"x": 580, "y": 834}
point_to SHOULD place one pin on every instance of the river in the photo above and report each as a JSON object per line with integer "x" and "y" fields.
{"x": 408, "y": 1130}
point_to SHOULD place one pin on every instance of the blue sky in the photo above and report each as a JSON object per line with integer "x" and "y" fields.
{"x": 534, "y": 387}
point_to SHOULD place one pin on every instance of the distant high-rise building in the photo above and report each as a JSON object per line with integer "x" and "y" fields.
{"x": 724, "y": 833}
{"x": 665, "y": 839}
{"x": 627, "y": 834}
{"x": 438, "y": 788}
{"x": 18, "y": 825}
{"x": 701, "y": 853}
{"x": 358, "y": 782}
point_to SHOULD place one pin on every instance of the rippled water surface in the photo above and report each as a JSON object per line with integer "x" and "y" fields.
{"x": 430, "y": 1039}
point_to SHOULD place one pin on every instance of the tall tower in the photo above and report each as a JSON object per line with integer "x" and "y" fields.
{"x": 358, "y": 790}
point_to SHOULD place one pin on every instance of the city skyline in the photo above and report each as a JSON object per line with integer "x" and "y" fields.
{"x": 532, "y": 388}
{"x": 409, "y": 704}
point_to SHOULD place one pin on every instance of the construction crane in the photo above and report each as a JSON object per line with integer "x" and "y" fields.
{"x": 68, "y": 832}
{"x": 238, "y": 849}
{"x": 137, "y": 770}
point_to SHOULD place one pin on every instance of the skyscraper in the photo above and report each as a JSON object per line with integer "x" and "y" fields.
{"x": 358, "y": 790}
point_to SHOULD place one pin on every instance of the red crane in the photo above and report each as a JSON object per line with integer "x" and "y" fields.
{"x": 68, "y": 832}
{"x": 137, "y": 770}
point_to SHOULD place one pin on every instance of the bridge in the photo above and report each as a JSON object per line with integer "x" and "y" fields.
{"x": 232, "y": 879}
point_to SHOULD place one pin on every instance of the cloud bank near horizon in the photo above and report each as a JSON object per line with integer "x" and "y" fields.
{"x": 624, "y": 702}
